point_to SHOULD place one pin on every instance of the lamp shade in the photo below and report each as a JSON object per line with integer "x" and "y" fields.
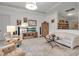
{"x": 11, "y": 29}
{"x": 24, "y": 25}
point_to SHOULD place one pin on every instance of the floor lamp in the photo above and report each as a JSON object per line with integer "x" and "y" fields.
{"x": 11, "y": 29}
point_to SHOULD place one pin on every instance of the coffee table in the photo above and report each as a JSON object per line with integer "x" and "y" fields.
{"x": 51, "y": 39}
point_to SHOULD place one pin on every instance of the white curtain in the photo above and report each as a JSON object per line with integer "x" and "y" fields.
{"x": 4, "y": 21}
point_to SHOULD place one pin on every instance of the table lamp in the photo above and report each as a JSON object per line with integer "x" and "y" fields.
{"x": 24, "y": 25}
{"x": 11, "y": 29}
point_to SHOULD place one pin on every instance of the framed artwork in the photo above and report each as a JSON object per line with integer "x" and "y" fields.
{"x": 18, "y": 22}
{"x": 52, "y": 21}
{"x": 24, "y": 19}
{"x": 32, "y": 22}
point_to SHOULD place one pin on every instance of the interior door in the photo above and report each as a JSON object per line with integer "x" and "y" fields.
{"x": 4, "y": 21}
{"x": 45, "y": 29}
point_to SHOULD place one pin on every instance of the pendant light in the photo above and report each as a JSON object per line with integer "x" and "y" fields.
{"x": 31, "y": 5}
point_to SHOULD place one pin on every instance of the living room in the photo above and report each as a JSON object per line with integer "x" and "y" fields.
{"x": 40, "y": 31}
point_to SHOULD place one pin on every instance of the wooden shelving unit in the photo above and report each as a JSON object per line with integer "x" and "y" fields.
{"x": 63, "y": 24}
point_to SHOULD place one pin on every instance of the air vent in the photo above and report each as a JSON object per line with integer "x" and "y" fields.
{"x": 70, "y": 9}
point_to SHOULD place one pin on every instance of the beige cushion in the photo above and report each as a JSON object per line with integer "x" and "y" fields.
{"x": 14, "y": 40}
{"x": 17, "y": 52}
{"x": 1, "y": 53}
{"x": 61, "y": 34}
{"x": 11, "y": 50}
{"x": 8, "y": 48}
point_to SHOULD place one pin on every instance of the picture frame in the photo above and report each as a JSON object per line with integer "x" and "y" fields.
{"x": 52, "y": 21}
{"x": 18, "y": 22}
{"x": 32, "y": 22}
{"x": 24, "y": 19}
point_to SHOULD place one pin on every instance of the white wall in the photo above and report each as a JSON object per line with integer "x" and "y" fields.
{"x": 53, "y": 26}
{"x": 19, "y": 14}
{"x": 53, "y": 14}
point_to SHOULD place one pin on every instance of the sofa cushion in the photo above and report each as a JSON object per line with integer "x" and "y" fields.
{"x": 11, "y": 50}
{"x": 1, "y": 53}
{"x": 64, "y": 42}
{"x": 14, "y": 40}
{"x": 64, "y": 35}
{"x": 16, "y": 52}
{"x": 60, "y": 34}
{"x": 68, "y": 39}
{"x": 8, "y": 48}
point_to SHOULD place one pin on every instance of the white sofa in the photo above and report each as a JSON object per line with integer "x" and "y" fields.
{"x": 68, "y": 39}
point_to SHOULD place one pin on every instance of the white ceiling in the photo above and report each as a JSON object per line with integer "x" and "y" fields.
{"x": 43, "y": 7}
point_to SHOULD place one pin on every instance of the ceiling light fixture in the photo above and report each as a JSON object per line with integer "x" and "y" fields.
{"x": 70, "y": 14}
{"x": 31, "y": 5}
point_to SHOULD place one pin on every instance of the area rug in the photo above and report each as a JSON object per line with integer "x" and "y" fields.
{"x": 39, "y": 47}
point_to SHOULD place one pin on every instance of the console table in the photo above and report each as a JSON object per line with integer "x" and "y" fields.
{"x": 29, "y": 35}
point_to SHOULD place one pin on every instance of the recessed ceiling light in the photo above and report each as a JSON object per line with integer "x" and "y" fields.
{"x": 31, "y": 6}
{"x": 70, "y": 14}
